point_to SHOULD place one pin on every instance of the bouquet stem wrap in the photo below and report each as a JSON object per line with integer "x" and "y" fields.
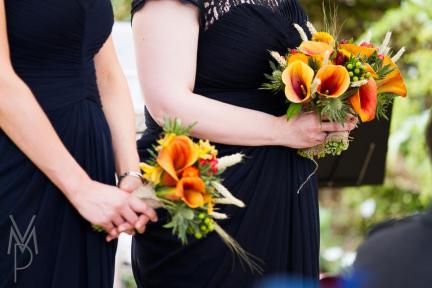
{"x": 335, "y": 144}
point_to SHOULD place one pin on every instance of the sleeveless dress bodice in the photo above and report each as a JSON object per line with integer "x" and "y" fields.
{"x": 52, "y": 45}
{"x": 53, "y": 52}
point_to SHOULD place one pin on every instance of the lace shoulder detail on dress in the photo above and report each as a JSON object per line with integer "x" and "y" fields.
{"x": 215, "y": 9}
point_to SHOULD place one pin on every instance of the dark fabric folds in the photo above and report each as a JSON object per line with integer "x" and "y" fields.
{"x": 52, "y": 46}
{"x": 278, "y": 225}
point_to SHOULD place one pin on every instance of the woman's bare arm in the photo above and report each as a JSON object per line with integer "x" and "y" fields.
{"x": 117, "y": 106}
{"x": 19, "y": 111}
{"x": 166, "y": 39}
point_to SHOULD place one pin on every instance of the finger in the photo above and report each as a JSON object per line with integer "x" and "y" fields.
{"x": 130, "y": 232}
{"x": 125, "y": 227}
{"x": 129, "y": 215}
{"x": 107, "y": 226}
{"x": 113, "y": 233}
{"x": 140, "y": 207}
{"x": 321, "y": 137}
{"x": 141, "y": 223}
{"x": 118, "y": 220}
{"x": 336, "y": 127}
{"x": 110, "y": 238}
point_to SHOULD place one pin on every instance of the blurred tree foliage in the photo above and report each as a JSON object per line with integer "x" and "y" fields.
{"x": 356, "y": 12}
{"x": 354, "y": 16}
{"x": 121, "y": 9}
{"x": 408, "y": 186}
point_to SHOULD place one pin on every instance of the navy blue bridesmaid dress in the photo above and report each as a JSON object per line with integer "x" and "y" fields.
{"x": 278, "y": 225}
{"x": 53, "y": 44}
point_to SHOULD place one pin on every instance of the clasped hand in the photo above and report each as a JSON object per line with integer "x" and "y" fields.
{"x": 114, "y": 209}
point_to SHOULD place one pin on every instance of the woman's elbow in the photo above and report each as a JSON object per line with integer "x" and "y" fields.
{"x": 164, "y": 104}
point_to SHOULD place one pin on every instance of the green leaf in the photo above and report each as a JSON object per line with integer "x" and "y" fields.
{"x": 175, "y": 126}
{"x": 293, "y": 110}
{"x": 187, "y": 213}
{"x": 385, "y": 100}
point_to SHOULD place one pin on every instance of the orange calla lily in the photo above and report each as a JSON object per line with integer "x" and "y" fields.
{"x": 315, "y": 48}
{"x": 335, "y": 81}
{"x": 194, "y": 192}
{"x": 358, "y": 50}
{"x": 176, "y": 156}
{"x": 393, "y": 82}
{"x": 168, "y": 180}
{"x": 364, "y": 101}
{"x": 191, "y": 172}
{"x": 298, "y": 78}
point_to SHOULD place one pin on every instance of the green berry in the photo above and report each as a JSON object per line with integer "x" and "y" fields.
{"x": 350, "y": 66}
{"x": 210, "y": 227}
{"x": 368, "y": 75}
{"x": 357, "y": 71}
{"x": 201, "y": 215}
{"x": 351, "y": 74}
{"x": 355, "y": 79}
{"x": 207, "y": 221}
{"x": 203, "y": 228}
{"x": 198, "y": 235}
{"x": 362, "y": 78}
{"x": 358, "y": 64}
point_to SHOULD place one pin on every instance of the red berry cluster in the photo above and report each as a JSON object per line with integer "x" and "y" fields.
{"x": 213, "y": 163}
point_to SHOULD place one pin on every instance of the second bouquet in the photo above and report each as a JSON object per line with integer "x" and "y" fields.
{"x": 183, "y": 176}
{"x": 337, "y": 79}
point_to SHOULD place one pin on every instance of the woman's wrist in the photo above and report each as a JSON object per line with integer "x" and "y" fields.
{"x": 128, "y": 164}
{"x": 133, "y": 174}
{"x": 282, "y": 134}
{"x": 72, "y": 186}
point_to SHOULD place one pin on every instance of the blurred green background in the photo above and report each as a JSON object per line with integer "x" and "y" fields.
{"x": 347, "y": 214}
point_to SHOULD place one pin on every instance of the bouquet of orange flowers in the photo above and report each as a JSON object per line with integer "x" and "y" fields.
{"x": 337, "y": 79}
{"x": 183, "y": 176}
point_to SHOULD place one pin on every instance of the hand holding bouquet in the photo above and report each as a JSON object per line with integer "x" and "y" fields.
{"x": 337, "y": 79}
{"x": 184, "y": 177}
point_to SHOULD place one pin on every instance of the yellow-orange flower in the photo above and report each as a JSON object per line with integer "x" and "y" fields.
{"x": 335, "y": 81}
{"x": 165, "y": 141}
{"x": 151, "y": 173}
{"x": 193, "y": 191}
{"x": 345, "y": 53}
{"x": 298, "y": 57}
{"x": 178, "y": 155}
{"x": 393, "y": 82}
{"x": 324, "y": 37}
{"x": 206, "y": 151}
{"x": 364, "y": 101}
{"x": 298, "y": 78}
{"x": 357, "y": 50}
{"x": 314, "y": 48}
